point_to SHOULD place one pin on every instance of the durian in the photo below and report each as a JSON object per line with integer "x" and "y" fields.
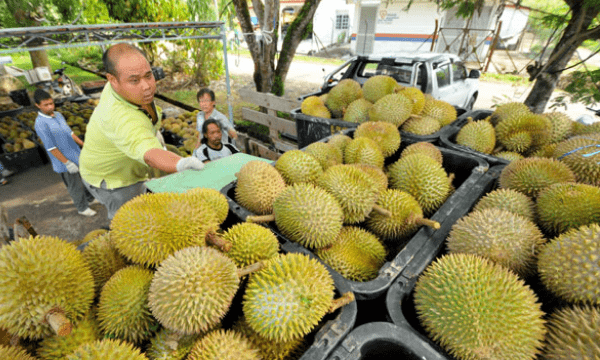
{"x": 532, "y": 175}
{"x": 14, "y": 353}
{"x": 424, "y": 148}
{"x": 341, "y": 95}
{"x": 107, "y": 349}
{"x": 58, "y": 347}
{"x": 385, "y": 134}
{"x": 581, "y": 154}
{"x": 251, "y": 243}
{"x": 212, "y": 198}
{"x": 326, "y": 154}
{"x": 103, "y": 259}
{"x": 477, "y": 135}
{"x": 509, "y": 200}
{"x": 296, "y": 166}
{"x": 363, "y": 150}
{"x": 223, "y": 345}
{"x": 425, "y": 125}
{"x": 573, "y": 333}
{"x": 258, "y": 184}
{"x": 378, "y": 86}
{"x": 167, "y": 345}
{"x": 393, "y": 108}
{"x": 358, "y": 111}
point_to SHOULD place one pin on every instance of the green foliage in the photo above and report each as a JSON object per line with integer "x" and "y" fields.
{"x": 19, "y": 13}
{"x": 96, "y": 12}
{"x": 583, "y": 86}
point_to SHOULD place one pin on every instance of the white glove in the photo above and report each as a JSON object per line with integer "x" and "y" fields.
{"x": 72, "y": 168}
{"x": 187, "y": 163}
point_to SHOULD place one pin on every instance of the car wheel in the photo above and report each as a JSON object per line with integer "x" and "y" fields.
{"x": 471, "y": 102}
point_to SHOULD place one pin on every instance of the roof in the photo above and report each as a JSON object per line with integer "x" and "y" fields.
{"x": 413, "y": 56}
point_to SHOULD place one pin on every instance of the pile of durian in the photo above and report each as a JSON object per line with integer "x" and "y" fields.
{"x": 183, "y": 130}
{"x": 381, "y": 98}
{"x": 521, "y": 276}
{"x": 337, "y": 199}
{"x": 159, "y": 284}
{"x": 76, "y": 115}
{"x": 16, "y": 137}
{"x": 513, "y": 132}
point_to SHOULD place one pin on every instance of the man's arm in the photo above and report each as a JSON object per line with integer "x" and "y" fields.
{"x": 77, "y": 139}
{"x": 59, "y": 155}
{"x": 170, "y": 162}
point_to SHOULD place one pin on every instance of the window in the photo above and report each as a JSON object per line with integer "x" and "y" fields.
{"x": 459, "y": 72}
{"x": 442, "y": 74}
{"x": 368, "y": 70}
{"x": 341, "y": 22}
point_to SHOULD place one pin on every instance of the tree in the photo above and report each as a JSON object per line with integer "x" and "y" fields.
{"x": 262, "y": 44}
{"x": 576, "y": 26}
{"x": 39, "y": 13}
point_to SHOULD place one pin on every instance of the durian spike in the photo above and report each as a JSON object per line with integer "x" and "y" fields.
{"x": 214, "y": 239}
{"x": 58, "y": 321}
{"x": 344, "y": 300}
{"x": 260, "y": 218}
{"x": 173, "y": 340}
{"x": 382, "y": 211}
{"x": 250, "y": 269}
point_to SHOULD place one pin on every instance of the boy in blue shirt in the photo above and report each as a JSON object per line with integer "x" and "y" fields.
{"x": 63, "y": 148}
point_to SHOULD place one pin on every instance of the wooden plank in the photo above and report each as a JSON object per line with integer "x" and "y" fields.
{"x": 268, "y": 100}
{"x": 273, "y": 122}
{"x": 284, "y": 146}
{"x": 259, "y": 149}
{"x": 242, "y": 142}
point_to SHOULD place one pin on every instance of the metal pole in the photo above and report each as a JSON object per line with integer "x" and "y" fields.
{"x": 434, "y": 36}
{"x": 494, "y": 43}
{"x": 224, "y": 39}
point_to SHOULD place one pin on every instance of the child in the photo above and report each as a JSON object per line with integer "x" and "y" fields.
{"x": 206, "y": 100}
{"x": 62, "y": 146}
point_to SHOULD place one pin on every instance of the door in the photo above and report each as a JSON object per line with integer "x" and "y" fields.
{"x": 366, "y": 30}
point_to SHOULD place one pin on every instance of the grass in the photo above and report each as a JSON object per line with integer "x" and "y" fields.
{"x": 305, "y": 58}
{"x": 507, "y": 78}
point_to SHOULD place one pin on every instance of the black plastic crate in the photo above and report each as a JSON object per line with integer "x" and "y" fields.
{"x": 467, "y": 169}
{"x": 12, "y": 112}
{"x": 383, "y": 341}
{"x": 448, "y": 139}
{"x": 311, "y": 129}
{"x": 435, "y": 137}
{"x": 21, "y": 160}
{"x": 20, "y": 97}
{"x": 399, "y": 299}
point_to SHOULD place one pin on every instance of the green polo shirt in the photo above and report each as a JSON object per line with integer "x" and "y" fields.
{"x": 117, "y": 137}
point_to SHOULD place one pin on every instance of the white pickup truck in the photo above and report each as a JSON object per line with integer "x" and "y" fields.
{"x": 444, "y": 76}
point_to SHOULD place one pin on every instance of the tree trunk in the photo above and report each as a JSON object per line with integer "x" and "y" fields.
{"x": 40, "y": 58}
{"x": 295, "y": 33}
{"x": 549, "y": 74}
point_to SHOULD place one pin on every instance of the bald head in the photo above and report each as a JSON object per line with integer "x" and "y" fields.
{"x": 115, "y": 53}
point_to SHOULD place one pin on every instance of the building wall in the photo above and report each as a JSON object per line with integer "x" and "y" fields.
{"x": 324, "y": 21}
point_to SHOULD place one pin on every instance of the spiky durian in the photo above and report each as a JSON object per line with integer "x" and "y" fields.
{"x": 192, "y": 289}
{"x": 42, "y": 276}
{"x": 356, "y": 254}
{"x": 123, "y": 309}
{"x": 487, "y": 312}
{"x": 251, "y": 243}
{"x": 309, "y": 103}
{"x": 364, "y": 151}
{"x": 268, "y": 349}
{"x": 393, "y": 108}
{"x": 296, "y": 166}
{"x": 509, "y": 111}
{"x": 358, "y": 111}
{"x": 223, "y": 345}
{"x": 376, "y": 174}
{"x": 416, "y": 96}
{"x": 258, "y": 184}
{"x": 546, "y": 151}
{"x": 167, "y": 345}
{"x": 385, "y": 134}
{"x": 14, "y": 353}
{"x": 288, "y": 298}
{"x": 354, "y": 190}
{"x": 425, "y": 125}
{"x": 93, "y": 234}
{"x": 107, "y": 349}
{"x": 378, "y": 86}
{"x": 425, "y": 148}
{"x": 523, "y": 133}
{"x": 326, "y": 154}
{"x": 341, "y": 95}
{"x": 506, "y": 238}
{"x": 562, "y": 125}
{"x": 532, "y": 175}
{"x": 564, "y": 206}
{"x": 423, "y": 178}
{"x": 307, "y": 215}
{"x": 406, "y": 217}
{"x": 58, "y": 347}
{"x": 509, "y": 200}
{"x": 581, "y": 155}
{"x": 509, "y": 155}
{"x": 440, "y": 110}
{"x": 143, "y": 228}
{"x": 340, "y": 141}
{"x": 212, "y": 198}
{"x": 477, "y": 135}
{"x": 104, "y": 260}
{"x": 581, "y": 129}
{"x": 573, "y": 333}
{"x": 568, "y": 265}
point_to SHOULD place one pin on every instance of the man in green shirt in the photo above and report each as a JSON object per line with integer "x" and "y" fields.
{"x": 121, "y": 137}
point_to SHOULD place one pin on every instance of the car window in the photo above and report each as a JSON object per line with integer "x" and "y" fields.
{"x": 368, "y": 70}
{"x": 459, "y": 72}
{"x": 442, "y": 73}
{"x": 401, "y": 73}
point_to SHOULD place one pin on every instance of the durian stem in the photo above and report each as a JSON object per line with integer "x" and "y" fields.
{"x": 427, "y": 222}
{"x": 382, "y": 211}
{"x": 346, "y": 299}
{"x": 14, "y": 340}
{"x": 173, "y": 340}
{"x": 498, "y": 149}
{"x": 214, "y": 239}
{"x": 59, "y": 322}
{"x": 250, "y": 269}
{"x": 451, "y": 177}
{"x": 260, "y": 218}
{"x": 415, "y": 116}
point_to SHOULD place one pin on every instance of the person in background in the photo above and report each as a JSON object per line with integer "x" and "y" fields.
{"x": 63, "y": 148}
{"x": 122, "y": 137}
{"x": 212, "y": 148}
{"x": 4, "y": 173}
{"x": 206, "y": 101}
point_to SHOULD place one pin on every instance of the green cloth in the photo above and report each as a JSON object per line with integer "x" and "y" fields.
{"x": 116, "y": 139}
{"x": 215, "y": 175}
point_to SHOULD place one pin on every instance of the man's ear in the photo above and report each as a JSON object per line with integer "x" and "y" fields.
{"x": 111, "y": 79}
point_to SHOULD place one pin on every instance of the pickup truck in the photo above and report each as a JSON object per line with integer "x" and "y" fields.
{"x": 444, "y": 76}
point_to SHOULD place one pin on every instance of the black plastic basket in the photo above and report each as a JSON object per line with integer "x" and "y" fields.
{"x": 21, "y": 160}
{"x": 20, "y": 97}
{"x": 435, "y": 137}
{"x": 383, "y": 341}
{"x": 467, "y": 169}
{"x": 311, "y": 129}
{"x": 448, "y": 139}
{"x": 12, "y": 112}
